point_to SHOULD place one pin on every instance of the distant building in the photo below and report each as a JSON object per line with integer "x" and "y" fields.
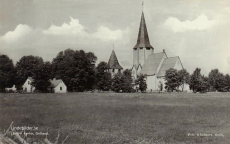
{"x": 27, "y": 87}
{"x": 14, "y": 89}
{"x": 113, "y": 64}
{"x": 151, "y": 64}
{"x": 57, "y": 86}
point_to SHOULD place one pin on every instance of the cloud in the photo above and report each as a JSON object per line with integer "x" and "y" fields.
{"x": 200, "y": 23}
{"x": 25, "y": 40}
{"x": 74, "y": 28}
{"x": 19, "y": 32}
{"x": 105, "y": 34}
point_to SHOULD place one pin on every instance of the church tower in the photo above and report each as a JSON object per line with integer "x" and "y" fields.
{"x": 142, "y": 49}
{"x": 113, "y": 64}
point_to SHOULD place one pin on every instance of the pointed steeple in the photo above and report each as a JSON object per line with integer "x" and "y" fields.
{"x": 143, "y": 38}
{"x": 113, "y": 61}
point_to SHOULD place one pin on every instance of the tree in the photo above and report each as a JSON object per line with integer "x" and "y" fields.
{"x": 117, "y": 82}
{"x": 221, "y": 85}
{"x": 198, "y": 83}
{"x": 217, "y": 81}
{"x": 26, "y": 67}
{"x": 7, "y": 72}
{"x": 76, "y": 69}
{"x": 172, "y": 79}
{"x": 184, "y": 77}
{"x": 227, "y": 78}
{"x": 195, "y": 80}
{"x": 205, "y": 86}
{"x": 141, "y": 82}
{"x": 212, "y": 77}
{"x": 42, "y": 75}
{"x": 127, "y": 78}
{"x": 103, "y": 77}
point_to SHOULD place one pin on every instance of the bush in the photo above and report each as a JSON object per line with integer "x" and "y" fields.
{"x": 10, "y": 91}
{"x": 21, "y": 91}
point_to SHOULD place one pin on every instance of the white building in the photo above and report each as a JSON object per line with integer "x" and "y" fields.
{"x": 27, "y": 87}
{"x": 14, "y": 89}
{"x": 151, "y": 64}
{"x": 57, "y": 86}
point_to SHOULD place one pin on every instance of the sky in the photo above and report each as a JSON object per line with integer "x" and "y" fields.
{"x": 198, "y": 31}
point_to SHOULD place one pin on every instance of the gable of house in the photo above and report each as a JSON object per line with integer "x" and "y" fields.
{"x": 27, "y": 85}
{"x": 58, "y": 85}
{"x": 168, "y": 63}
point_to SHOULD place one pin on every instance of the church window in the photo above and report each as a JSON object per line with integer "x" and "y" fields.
{"x": 60, "y": 88}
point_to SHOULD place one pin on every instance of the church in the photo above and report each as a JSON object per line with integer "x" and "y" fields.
{"x": 146, "y": 62}
{"x": 152, "y": 65}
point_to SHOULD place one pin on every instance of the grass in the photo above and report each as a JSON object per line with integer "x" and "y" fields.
{"x": 121, "y": 118}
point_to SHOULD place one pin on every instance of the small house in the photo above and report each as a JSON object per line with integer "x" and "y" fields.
{"x": 13, "y": 89}
{"x": 27, "y": 87}
{"x": 57, "y": 86}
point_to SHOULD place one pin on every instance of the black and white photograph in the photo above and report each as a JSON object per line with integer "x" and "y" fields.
{"x": 114, "y": 72}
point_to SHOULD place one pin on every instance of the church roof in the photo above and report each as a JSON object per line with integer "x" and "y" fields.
{"x": 143, "y": 38}
{"x": 152, "y": 63}
{"x": 113, "y": 61}
{"x": 167, "y": 64}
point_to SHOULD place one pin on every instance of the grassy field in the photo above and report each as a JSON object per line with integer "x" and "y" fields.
{"x": 122, "y": 118}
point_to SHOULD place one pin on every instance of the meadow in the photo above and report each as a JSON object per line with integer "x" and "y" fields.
{"x": 137, "y": 118}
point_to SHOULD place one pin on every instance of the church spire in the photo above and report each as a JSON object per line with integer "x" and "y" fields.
{"x": 113, "y": 61}
{"x": 143, "y": 38}
{"x": 142, "y": 6}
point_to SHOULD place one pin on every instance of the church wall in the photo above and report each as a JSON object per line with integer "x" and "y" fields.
{"x": 160, "y": 80}
{"x": 151, "y": 83}
{"x": 134, "y": 57}
{"x": 134, "y": 73}
{"x": 186, "y": 88}
{"x": 141, "y": 56}
{"x": 139, "y": 70}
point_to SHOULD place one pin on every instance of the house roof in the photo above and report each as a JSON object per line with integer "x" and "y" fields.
{"x": 143, "y": 38}
{"x": 167, "y": 64}
{"x": 152, "y": 63}
{"x": 113, "y": 61}
{"x": 31, "y": 79}
{"x": 55, "y": 82}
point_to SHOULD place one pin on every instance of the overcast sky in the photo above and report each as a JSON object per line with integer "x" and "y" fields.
{"x": 196, "y": 30}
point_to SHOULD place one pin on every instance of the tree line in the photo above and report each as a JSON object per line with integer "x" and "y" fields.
{"x": 76, "y": 68}
{"x": 215, "y": 81}
{"x": 78, "y": 71}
